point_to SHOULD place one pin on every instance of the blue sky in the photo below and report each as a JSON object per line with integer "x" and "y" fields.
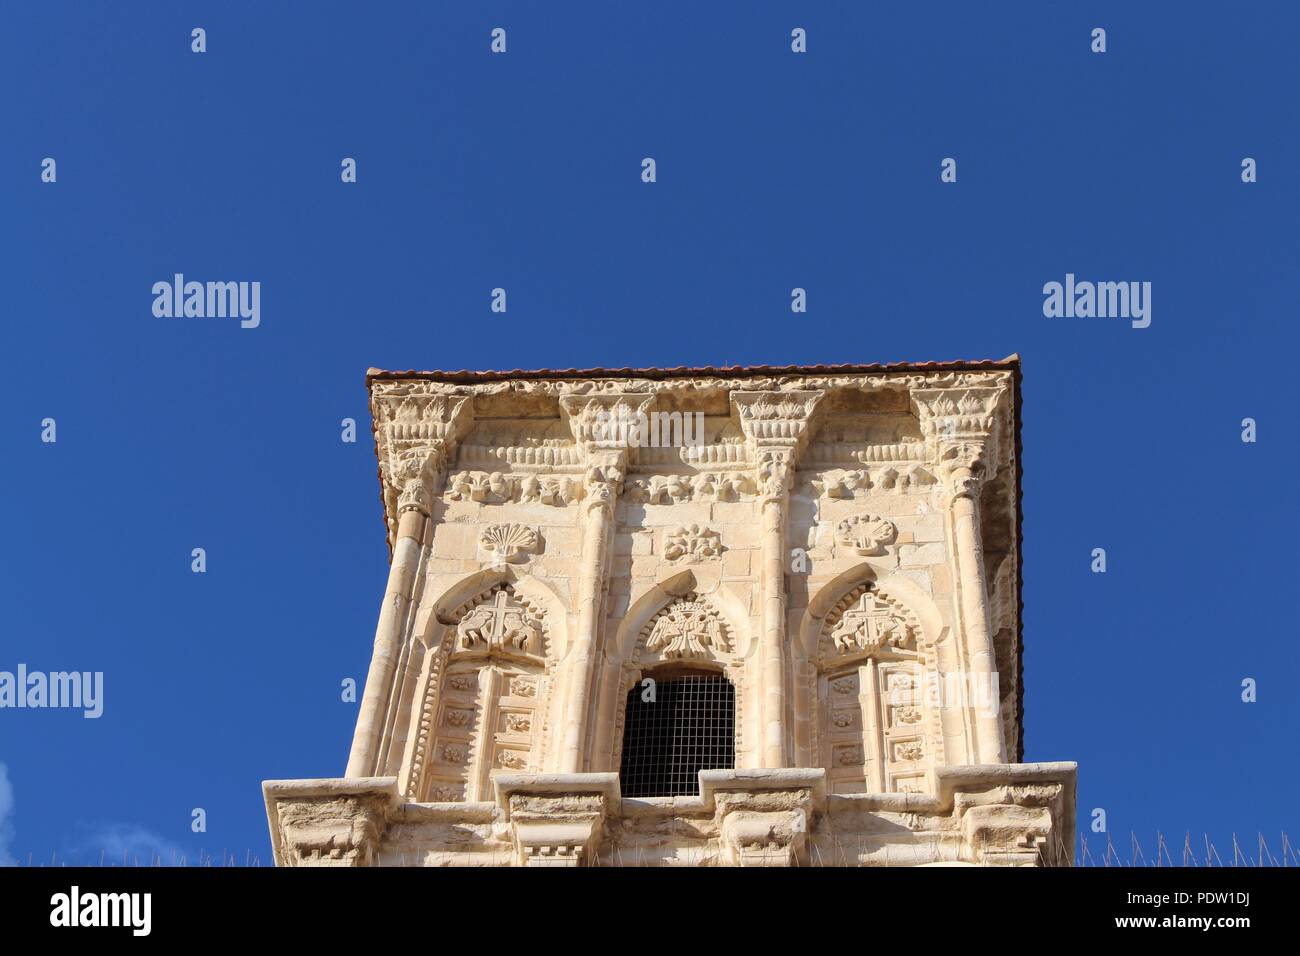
{"x": 522, "y": 171}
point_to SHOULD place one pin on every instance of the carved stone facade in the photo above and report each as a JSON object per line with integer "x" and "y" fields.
{"x": 840, "y": 544}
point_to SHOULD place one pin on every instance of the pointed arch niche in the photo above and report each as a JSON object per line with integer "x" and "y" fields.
{"x": 864, "y": 708}
{"x": 485, "y": 682}
{"x": 677, "y": 625}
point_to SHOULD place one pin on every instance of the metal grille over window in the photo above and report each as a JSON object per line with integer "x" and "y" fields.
{"x": 688, "y": 725}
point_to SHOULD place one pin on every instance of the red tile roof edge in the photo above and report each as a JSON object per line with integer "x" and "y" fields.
{"x": 468, "y": 376}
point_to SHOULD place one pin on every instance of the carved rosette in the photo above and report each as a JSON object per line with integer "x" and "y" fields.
{"x": 866, "y": 534}
{"x": 509, "y": 542}
{"x": 692, "y": 543}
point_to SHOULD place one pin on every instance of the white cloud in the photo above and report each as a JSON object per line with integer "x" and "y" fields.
{"x": 129, "y": 844}
{"x": 6, "y": 818}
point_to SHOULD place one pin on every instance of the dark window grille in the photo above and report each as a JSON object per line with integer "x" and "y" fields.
{"x": 690, "y": 726}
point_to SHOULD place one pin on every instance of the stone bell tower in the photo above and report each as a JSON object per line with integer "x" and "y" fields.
{"x": 739, "y": 616}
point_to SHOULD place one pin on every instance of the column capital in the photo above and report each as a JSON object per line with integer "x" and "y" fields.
{"x": 777, "y": 418}
{"x": 608, "y": 421}
{"x": 417, "y": 437}
{"x": 961, "y": 430}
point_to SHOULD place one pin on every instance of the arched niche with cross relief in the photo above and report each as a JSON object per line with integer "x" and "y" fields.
{"x": 487, "y": 679}
{"x": 868, "y": 665}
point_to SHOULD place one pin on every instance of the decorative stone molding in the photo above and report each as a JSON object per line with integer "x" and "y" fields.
{"x": 706, "y": 486}
{"x": 330, "y": 822}
{"x": 498, "y": 488}
{"x": 509, "y": 542}
{"x": 692, "y": 543}
{"x": 856, "y": 482}
{"x": 865, "y": 534}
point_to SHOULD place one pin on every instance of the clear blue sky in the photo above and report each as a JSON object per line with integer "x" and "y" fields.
{"x": 775, "y": 170}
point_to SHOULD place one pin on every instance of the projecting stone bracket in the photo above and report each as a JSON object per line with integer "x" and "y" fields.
{"x": 764, "y": 816}
{"x": 330, "y": 822}
{"x": 556, "y": 819}
{"x": 1006, "y": 834}
{"x": 1013, "y": 814}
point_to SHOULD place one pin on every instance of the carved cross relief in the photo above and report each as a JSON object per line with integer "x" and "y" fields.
{"x": 505, "y": 627}
{"x": 870, "y": 625}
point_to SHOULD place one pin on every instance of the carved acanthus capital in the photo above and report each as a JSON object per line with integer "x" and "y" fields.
{"x": 962, "y": 428}
{"x": 780, "y": 418}
{"x": 608, "y": 421}
{"x": 417, "y": 435}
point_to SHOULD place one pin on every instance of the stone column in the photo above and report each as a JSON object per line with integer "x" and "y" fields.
{"x": 776, "y": 424}
{"x": 607, "y": 428}
{"x": 960, "y": 424}
{"x": 418, "y": 435}
{"x": 603, "y": 482}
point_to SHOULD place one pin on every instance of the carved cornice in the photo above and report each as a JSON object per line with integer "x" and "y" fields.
{"x": 561, "y": 387}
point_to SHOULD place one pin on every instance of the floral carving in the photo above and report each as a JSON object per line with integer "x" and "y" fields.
{"x": 453, "y": 753}
{"x": 844, "y": 685}
{"x": 497, "y": 488}
{"x": 850, "y": 757}
{"x": 522, "y": 688}
{"x": 509, "y": 542}
{"x": 866, "y": 534}
{"x": 457, "y": 718}
{"x": 692, "y": 543}
{"x": 706, "y": 486}
{"x": 908, "y": 750}
{"x": 511, "y": 760}
{"x": 519, "y": 723}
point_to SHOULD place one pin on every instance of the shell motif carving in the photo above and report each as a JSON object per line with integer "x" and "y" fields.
{"x": 509, "y": 542}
